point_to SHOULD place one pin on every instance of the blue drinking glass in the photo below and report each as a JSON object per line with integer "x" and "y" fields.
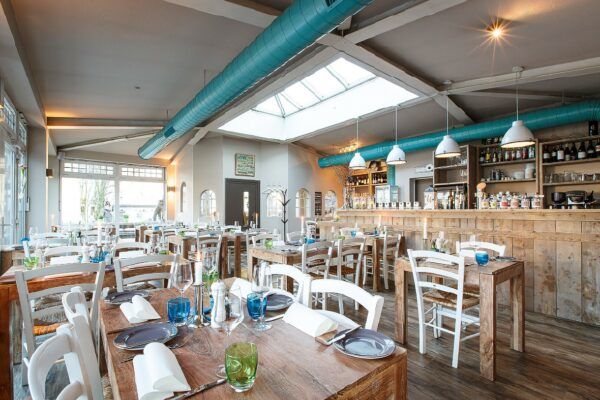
{"x": 482, "y": 258}
{"x": 353, "y": 233}
{"x": 254, "y": 309}
{"x": 178, "y": 310}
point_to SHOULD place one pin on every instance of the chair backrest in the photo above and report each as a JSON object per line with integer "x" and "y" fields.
{"x": 350, "y": 253}
{"x": 372, "y": 303}
{"x": 259, "y": 239}
{"x": 303, "y": 280}
{"x": 208, "y": 240}
{"x": 74, "y": 343}
{"x": 74, "y": 303}
{"x": 294, "y": 236}
{"x": 437, "y": 264}
{"x": 26, "y": 297}
{"x": 144, "y": 261}
{"x": 467, "y": 249}
{"x": 130, "y": 246}
{"x": 62, "y": 251}
{"x": 54, "y": 242}
{"x": 316, "y": 257}
{"x": 347, "y": 232}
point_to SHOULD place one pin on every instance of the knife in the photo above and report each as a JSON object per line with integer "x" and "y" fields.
{"x": 341, "y": 336}
{"x": 199, "y": 389}
{"x": 271, "y": 319}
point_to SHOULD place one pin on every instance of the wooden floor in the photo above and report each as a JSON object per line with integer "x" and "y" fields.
{"x": 562, "y": 361}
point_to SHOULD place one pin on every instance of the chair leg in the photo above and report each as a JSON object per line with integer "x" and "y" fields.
{"x": 385, "y": 275}
{"x": 422, "y": 337}
{"x": 364, "y": 271}
{"x": 439, "y": 322}
{"x": 341, "y": 304}
{"x": 436, "y": 332}
{"x": 455, "y": 351}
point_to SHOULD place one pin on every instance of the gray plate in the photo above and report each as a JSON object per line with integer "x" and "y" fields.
{"x": 138, "y": 337}
{"x": 366, "y": 343}
{"x": 117, "y": 298}
{"x": 277, "y": 301}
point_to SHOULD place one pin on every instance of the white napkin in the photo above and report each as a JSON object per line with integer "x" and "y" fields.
{"x": 279, "y": 243}
{"x": 131, "y": 254}
{"x": 62, "y": 260}
{"x": 243, "y": 285}
{"x": 139, "y": 310}
{"x": 360, "y": 234}
{"x": 157, "y": 373}
{"x": 308, "y": 321}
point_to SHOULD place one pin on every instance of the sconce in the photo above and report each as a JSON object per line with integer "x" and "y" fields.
{"x": 49, "y": 173}
{"x": 171, "y": 189}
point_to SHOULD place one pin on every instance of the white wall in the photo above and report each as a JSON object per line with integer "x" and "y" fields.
{"x": 36, "y": 174}
{"x": 184, "y": 171}
{"x": 208, "y": 173}
{"x": 404, "y": 173}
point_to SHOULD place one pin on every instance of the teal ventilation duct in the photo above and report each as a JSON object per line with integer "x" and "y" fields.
{"x": 535, "y": 120}
{"x": 298, "y": 27}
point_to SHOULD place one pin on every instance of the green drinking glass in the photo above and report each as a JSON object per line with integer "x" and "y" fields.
{"x": 241, "y": 362}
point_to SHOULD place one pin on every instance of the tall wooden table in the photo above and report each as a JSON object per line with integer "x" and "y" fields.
{"x": 488, "y": 278}
{"x": 291, "y": 364}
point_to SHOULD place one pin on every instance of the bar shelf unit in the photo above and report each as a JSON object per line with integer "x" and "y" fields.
{"x": 449, "y": 173}
{"x": 376, "y": 170}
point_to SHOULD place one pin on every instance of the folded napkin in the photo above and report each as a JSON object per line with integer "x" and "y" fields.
{"x": 308, "y": 321}
{"x": 62, "y": 260}
{"x": 157, "y": 373}
{"x": 244, "y": 286}
{"x": 139, "y": 310}
{"x": 279, "y": 243}
{"x": 131, "y": 254}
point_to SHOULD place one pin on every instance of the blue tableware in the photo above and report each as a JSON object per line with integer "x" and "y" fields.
{"x": 278, "y": 301}
{"x": 139, "y": 336}
{"x": 253, "y": 304}
{"x": 353, "y": 233}
{"x": 482, "y": 257}
{"x": 178, "y": 310}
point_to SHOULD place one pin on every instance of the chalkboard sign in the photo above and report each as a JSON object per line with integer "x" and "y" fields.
{"x": 244, "y": 164}
{"x": 318, "y": 203}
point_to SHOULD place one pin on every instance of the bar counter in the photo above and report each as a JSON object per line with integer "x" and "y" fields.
{"x": 560, "y": 248}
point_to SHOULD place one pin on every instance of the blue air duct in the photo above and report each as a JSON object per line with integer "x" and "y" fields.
{"x": 541, "y": 119}
{"x": 298, "y": 27}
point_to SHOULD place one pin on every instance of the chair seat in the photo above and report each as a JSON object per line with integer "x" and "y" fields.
{"x": 333, "y": 270}
{"x": 449, "y": 299}
{"x": 468, "y": 289}
{"x": 39, "y": 330}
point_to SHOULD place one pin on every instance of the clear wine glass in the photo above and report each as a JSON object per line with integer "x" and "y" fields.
{"x": 231, "y": 318}
{"x": 32, "y": 232}
{"x": 182, "y": 277}
{"x": 262, "y": 283}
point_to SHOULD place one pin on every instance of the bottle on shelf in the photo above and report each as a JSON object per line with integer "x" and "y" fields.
{"x": 568, "y": 156}
{"x": 546, "y": 155}
{"x": 590, "y": 150}
{"x": 560, "y": 153}
{"x": 581, "y": 153}
{"x": 553, "y": 154}
{"x": 597, "y": 148}
{"x": 488, "y": 156}
{"x": 494, "y": 157}
{"x": 593, "y": 128}
{"x": 481, "y": 156}
{"x": 531, "y": 152}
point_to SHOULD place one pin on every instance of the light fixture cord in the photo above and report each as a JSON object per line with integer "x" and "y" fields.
{"x": 356, "y": 134}
{"x": 517, "y": 89}
{"x": 396, "y": 124}
{"x": 447, "y": 118}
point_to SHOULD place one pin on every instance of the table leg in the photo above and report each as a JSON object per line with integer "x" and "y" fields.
{"x": 252, "y": 261}
{"x": 517, "y": 301}
{"x": 6, "y": 378}
{"x": 401, "y": 379}
{"x": 376, "y": 265}
{"x": 487, "y": 335}
{"x": 401, "y": 295}
{"x": 238, "y": 257}
{"x": 224, "y": 261}
{"x": 186, "y": 245}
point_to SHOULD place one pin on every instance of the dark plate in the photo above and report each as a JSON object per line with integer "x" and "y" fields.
{"x": 366, "y": 343}
{"x": 276, "y": 302}
{"x": 139, "y": 336}
{"x": 117, "y": 298}
{"x": 505, "y": 258}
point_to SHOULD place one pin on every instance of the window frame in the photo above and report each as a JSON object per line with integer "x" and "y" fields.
{"x": 212, "y": 201}
{"x": 303, "y": 211}
{"x": 275, "y": 204}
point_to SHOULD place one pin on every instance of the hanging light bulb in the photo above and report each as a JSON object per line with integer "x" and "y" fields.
{"x": 357, "y": 162}
{"x": 448, "y": 146}
{"x": 518, "y": 135}
{"x": 396, "y": 156}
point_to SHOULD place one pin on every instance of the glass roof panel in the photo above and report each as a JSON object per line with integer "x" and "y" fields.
{"x": 350, "y": 73}
{"x": 324, "y": 84}
{"x": 300, "y": 96}
{"x": 269, "y": 106}
{"x": 288, "y": 107}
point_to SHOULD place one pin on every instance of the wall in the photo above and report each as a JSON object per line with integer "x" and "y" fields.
{"x": 53, "y": 215}
{"x": 208, "y": 173}
{"x": 36, "y": 174}
{"x": 184, "y": 172}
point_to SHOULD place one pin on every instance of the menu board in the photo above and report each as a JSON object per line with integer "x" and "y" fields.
{"x": 244, "y": 164}
{"x": 318, "y": 203}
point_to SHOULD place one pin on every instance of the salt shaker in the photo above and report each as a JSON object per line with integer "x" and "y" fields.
{"x": 217, "y": 314}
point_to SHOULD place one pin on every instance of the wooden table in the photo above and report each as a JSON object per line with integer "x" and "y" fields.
{"x": 276, "y": 255}
{"x": 488, "y": 278}
{"x": 9, "y": 298}
{"x": 291, "y": 365}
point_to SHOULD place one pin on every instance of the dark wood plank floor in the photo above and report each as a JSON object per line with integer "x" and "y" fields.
{"x": 562, "y": 361}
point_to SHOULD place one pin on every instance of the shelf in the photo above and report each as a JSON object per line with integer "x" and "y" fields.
{"x": 457, "y": 166}
{"x": 569, "y": 140}
{"x": 525, "y": 161}
{"x": 510, "y": 181}
{"x": 582, "y": 161}
{"x": 573, "y": 183}
{"x": 380, "y": 184}
{"x": 450, "y": 184}
{"x": 485, "y": 146}
{"x": 354, "y": 186}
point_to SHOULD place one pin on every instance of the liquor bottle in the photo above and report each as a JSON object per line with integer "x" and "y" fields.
{"x": 591, "y": 151}
{"x": 531, "y": 153}
{"x": 593, "y": 128}
{"x": 597, "y": 148}
{"x": 573, "y": 151}
{"x": 481, "y": 156}
{"x": 488, "y": 156}
{"x": 500, "y": 155}
{"x": 568, "y": 156}
{"x": 553, "y": 154}
{"x": 546, "y": 155}
{"x": 495, "y": 157}
{"x": 560, "y": 153}
{"x": 581, "y": 153}
{"x": 518, "y": 154}
{"x": 507, "y": 155}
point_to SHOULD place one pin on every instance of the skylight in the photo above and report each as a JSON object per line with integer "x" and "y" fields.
{"x": 337, "y": 92}
{"x": 333, "y": 79}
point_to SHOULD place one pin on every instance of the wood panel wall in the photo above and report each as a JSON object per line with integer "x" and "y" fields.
{"x": 561, "y": 249}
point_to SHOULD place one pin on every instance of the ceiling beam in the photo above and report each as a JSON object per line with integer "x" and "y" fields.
{"x": 101, "y": 123}
{"x": 245, "y": 11}
{"x": 524, "y": 94}
{"x": 567, "y": 70}
{"x": 98, "y": 142}
{"x": 404, "y": 17}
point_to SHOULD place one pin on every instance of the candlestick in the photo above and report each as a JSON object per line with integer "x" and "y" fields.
{"x": 425, "y": 229}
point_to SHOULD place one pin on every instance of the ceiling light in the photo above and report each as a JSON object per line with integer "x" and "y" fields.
{"x": 496, "y": 30}
{"x": 357, "y": 162}
{"x": 518, "y": 135}
{"x": 448, "y": 146}
{"x": 396, "y": 156}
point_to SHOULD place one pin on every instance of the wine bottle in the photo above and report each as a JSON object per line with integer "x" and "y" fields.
{"x": 553, "y": 154}
{"x": 581, "y": 153}
{"x": 591, "y": 152}
{"x": 567, "y": 153}
{"x": 546, "y": 155}
{"x": 560, "y": 153}
{"x": 481, "y": 156}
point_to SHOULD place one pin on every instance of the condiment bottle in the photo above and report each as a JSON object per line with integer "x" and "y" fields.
{"x": 217, "y": 314}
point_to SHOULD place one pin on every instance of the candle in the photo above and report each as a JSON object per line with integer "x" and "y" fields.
{"x": 379, "y": 221}
{"x": 425, "y": 229}
{"x": 99, "y": 236}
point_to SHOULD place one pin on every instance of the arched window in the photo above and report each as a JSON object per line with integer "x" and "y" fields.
{"x": 183, "y": 197}
{"x": 330, "y": 202}
{"x": 275, "y": 204}
{"x": 302, "y": 203}
{"x": 208, "y": 203}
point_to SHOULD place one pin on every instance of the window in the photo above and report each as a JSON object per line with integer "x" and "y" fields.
{"x": 88, "y": 168}
{"x": 86, "y": 200}
{"x": 22, "y": 129}
{"x": 302, "y": 203}
{"x": 275, "y": 204}
{"x": 141, "y": 201}
{"x": 143, "y": 172}
{"x": 208, "y": 203}
{"x": 330, "y": 202}
{"x": 10, "y": 114}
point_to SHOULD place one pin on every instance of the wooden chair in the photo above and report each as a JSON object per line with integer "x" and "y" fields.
{"x": 293, "y": 237}
{"x": 74, "y": 343}
{"x": 348, "y": 263}
{"x": 259, "y": 240}
{"x": 130, "y": 246}
{"x": 389, "y": 253}
{"x": 447, "y": 301}
{"x": 62, "y": 251}
{"x": 316, "y": 258}
{"x": 372, "y": 303}
{"x": 210, "y": 240}
{"x": 302, "y": 281}
{"x": 144, "y": 261}
{"x": 28, "y": 299}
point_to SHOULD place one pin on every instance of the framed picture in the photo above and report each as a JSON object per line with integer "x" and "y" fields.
{"x": 318, "y": 203}
{"x": 244, "y": 164}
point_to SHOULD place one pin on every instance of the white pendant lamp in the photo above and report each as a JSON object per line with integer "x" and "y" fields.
{"x": 357, "y": 162}
{"x": 518, "y": 135}
{"x": 448, "y": 146}
{"x": 396, "y": 156}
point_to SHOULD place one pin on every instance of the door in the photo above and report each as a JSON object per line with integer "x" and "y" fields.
{"x": 242, "y": 202}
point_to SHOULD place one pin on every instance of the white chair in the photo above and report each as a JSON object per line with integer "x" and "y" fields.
{"x": 389, "y": 253}
{"x": 372, "y": 303}
{"x": 316, "y": 258}
{"x": 27, "y": 301}
{"x": 74, "y": 343}
{"x": 301, "y": 280}
{"x": 347, "y": 263}
{"x": 49, "y": 235}
{"x": 144, "y": 261}
{"x": 259, "y": 240}
{"x": 210, "y": 240}
{"x": 294, "y": 237}
{"x": 130, "y": 246}
{"x": 467, "y": 249}
{"x": 311, "y": 229}
{"x": 447, "y": 301}
{"x": 62, "y": 251}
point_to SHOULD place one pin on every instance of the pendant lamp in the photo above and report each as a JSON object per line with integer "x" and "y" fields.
{"x": 357, "y": 162}
{"x": 448, "y": 146}
{"x": 396, "y": 156}
{"x": 518, "y": 135}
